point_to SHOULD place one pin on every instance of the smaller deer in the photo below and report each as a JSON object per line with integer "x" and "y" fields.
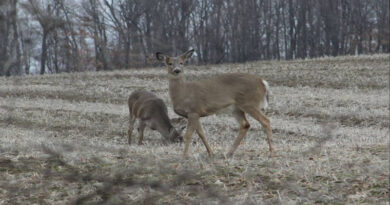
{"x": 151, "y": 112}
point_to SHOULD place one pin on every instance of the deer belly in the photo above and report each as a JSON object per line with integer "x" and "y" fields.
{"x": 212, "y": 109}
{"x": 151, "y": 125}
{"x": 180, "y": 112}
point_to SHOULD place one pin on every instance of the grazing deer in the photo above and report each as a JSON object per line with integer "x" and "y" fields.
{"x": 151, "y": 112}
{"x": 247, "y": 93}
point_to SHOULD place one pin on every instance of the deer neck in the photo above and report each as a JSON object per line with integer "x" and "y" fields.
{"x": 165, "y": 131}
{"x": 176, "y": 89}
{"x": 164, "y": 125}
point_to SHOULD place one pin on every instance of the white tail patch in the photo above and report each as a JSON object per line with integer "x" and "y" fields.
{"x": 264, "y": 104}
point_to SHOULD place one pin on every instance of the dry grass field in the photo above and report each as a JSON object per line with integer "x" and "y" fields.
{"x": 63, "y": 139}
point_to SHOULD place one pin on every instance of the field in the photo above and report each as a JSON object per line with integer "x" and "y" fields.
{"x": 63, "y": 139}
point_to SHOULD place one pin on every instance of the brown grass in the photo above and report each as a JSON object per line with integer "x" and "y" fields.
{"x": 63, "y": 139}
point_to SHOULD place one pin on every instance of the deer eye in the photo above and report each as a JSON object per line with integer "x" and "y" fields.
{"x": 169, "y": 63}
{"x": 181, "y": 63}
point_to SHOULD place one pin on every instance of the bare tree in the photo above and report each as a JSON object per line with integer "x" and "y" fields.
{"x": 95, "y": 21}
{"x": 108, "y": 34}
{"x": 10, "y": 52}
{"x": 45, "y": 16}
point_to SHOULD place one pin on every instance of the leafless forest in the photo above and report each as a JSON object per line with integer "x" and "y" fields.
{"x": 53, "y": 36}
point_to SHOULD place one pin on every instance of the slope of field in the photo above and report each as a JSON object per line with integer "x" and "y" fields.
{"x": 63, "y": 139}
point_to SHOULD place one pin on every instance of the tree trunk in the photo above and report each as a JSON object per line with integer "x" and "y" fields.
{"x": 44, "y": 52}
{"x": 276, "y": 50}
{"x": 291, "y": 32}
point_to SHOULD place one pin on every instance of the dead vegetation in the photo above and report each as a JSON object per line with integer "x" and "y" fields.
{"x": 63, "y": 139}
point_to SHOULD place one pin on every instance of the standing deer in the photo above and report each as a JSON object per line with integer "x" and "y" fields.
{"x": 247, "y": 93}
{"x": 151, "y": 112}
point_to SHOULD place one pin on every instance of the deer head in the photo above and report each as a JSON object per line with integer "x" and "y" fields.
{"x": 175, "y": 136}
{"x": 175, "y": 64}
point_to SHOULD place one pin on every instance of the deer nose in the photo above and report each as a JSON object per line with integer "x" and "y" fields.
{"x": 177, "y": 71}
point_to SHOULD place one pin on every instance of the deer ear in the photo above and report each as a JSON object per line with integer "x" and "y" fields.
{"x": 161, "y": 57}
{"x": 187, "y": 54}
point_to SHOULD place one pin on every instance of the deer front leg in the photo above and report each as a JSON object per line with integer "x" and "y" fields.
{"x": 141, "y": 129}
{"x": 131, "y": 128}
{"x": 191, "y": 127}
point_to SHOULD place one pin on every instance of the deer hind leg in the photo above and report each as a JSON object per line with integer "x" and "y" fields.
{"x": 244, "y": 127}
{"x": 141, "y": 129}
{"x": 202, "y": 136}
{"x": 265, "y": 122}
{"x": 131, "y": 128}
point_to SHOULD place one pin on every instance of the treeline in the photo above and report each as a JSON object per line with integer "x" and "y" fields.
{"x": 54, "y": 36}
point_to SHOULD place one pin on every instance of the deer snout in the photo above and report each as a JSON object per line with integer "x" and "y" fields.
{"x": 176, "y": 70}
{"x": 179, "y": 139}
{"x": 175, "y": 136}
